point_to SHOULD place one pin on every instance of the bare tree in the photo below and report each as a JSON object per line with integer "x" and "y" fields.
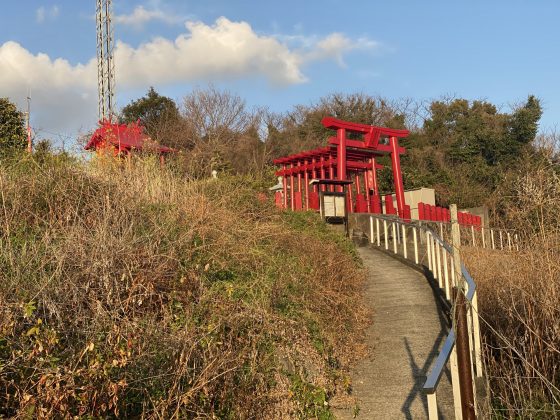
{"x": 215, "y": 114}
{"x": 225, "y": 134}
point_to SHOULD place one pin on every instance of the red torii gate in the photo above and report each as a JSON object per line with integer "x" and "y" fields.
{"x": 347, "y": 155}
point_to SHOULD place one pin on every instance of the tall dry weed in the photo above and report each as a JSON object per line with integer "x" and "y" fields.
{"x": 520, "y": 301}
{"x": 127, "y": 290}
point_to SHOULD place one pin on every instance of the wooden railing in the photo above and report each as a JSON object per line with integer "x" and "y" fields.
{"x": 421, "y": 244}
{"x": 478, "y": 236}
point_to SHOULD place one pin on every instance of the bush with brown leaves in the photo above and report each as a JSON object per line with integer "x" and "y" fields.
{"x": 127, "y": 290}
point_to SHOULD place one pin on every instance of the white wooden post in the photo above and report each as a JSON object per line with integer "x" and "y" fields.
{"x": 370, "y": 229}
{"x": 476, "y": 332}
{"x": 483, "y": 239}
{"x": 386, "y": 231}
{"x": 452, "y": 264}
{"x": 456, "y": 243}
{"x": 455, "y": 384}
{"x": 405, "y": 253}
{"x": 434, "y": 257}
{"x": 428, "y": 250}
{"x": 378, "y": 231}
{"x": 472, "y": 232}
{"x": 470, "y": 330}
{"x": 492, "y": 238}
{"x": 432, "y": 407}
{"x": 394, "y": 229}
{"x": 447, "y": 289}
{"x": 438, "y": 262}
{"x": 457, "y": 268}
{"x": 415, "y": 235}
{"x": 501, "y": 241}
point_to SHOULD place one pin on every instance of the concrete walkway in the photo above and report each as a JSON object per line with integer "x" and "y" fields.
{"x": 407, "y": 332}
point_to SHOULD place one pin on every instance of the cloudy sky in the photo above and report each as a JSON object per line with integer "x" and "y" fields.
{"x": 279, "y": 53}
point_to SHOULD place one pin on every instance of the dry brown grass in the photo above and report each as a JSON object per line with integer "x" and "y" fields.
{"x": 129, "y": 291}
{"x": 519, "y": 301}
{"x": 519, "y": 298}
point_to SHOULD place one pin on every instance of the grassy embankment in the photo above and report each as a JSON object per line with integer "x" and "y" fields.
{"x": 131, "y": 290}
{"x": 519, "y": 300}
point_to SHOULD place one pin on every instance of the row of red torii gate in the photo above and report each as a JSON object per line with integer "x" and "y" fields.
{"x": 351, "y": 157}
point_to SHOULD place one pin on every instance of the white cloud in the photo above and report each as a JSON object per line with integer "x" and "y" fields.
{"x": 225, "y": 50}
{"x": 64, "y": 94}
{"x": 140, "y": 15}
{"x": 43, "y": 13}
{"x": 40, "y": 14}
{"x": 335, "y": 45}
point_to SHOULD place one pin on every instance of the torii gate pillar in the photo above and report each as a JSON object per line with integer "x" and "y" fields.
{"x": 397, "y": 175}
{"x": 341, "y": 155}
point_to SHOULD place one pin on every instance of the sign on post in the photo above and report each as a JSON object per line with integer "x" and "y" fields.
{"x": 333, "y": 205}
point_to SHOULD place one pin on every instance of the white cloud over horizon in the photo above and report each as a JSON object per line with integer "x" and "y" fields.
{"x": 140, "y": 16}
{"x": 43, "y": 13}
{"x": 60, "y": 92}
{"x": 64, "y": 95}
{"x": 225, "y": 50}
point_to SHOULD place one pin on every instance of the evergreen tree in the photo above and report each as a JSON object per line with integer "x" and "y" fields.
{"x": 465, "y": 148}
{"x": 12, "y": 130}
{"x": 153, "y": 110}
{"x": 523, "y": 125}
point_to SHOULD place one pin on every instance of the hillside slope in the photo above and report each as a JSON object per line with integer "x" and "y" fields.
{"x": 129, "y": 290}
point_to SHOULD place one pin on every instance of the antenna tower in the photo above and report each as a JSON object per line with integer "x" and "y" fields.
{"x": 105, "y": 62}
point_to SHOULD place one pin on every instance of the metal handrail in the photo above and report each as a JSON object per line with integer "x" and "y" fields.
{"x": 433, "y": 378}
{"x": 430, "y": 386}
{"x": 437, "y": 252}
{"x": 472, "y": 285}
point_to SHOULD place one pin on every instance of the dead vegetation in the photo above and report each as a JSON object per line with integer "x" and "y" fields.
{"x": 519, "y": 301}
{"x": 127, "y": 290}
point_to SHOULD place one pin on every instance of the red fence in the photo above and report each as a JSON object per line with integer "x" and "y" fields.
{"x": 441, "y": 214}
{"x": 359, "y": 204}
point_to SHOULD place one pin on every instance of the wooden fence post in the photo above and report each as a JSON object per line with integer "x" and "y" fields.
{"x": 461, "y": 325}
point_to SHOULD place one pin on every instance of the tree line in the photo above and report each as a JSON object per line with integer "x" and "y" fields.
{"x": 463, "y": 149}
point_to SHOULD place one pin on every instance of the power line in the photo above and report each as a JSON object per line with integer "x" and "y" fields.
{"x": 68, "y": 136}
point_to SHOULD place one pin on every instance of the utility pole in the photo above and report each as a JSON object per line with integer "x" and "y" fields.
{"x": 461, "y": 325}
{"x": 27, "y": 124}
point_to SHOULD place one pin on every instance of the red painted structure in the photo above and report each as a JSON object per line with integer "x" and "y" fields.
{"x": 441, "y": 214}
{"x": 352, "y": 152}
{"x": 123, "y": 139}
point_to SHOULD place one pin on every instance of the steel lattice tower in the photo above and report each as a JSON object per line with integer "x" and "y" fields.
{"x": 105, "y": 62}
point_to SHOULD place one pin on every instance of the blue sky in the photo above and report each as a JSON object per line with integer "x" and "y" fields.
{"x": 281, "y": 53}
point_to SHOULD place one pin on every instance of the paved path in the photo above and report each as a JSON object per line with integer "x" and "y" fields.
{"x": 407, "y": 332}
